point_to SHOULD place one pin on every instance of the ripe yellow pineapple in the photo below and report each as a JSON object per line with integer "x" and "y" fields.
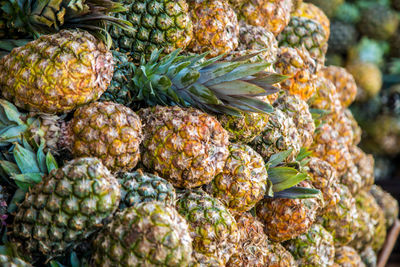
{"x": 273, "y": 15}
{"x": 365, "y": 164}
{"x": 56, "y": 73}
{"x": 300, "y": 67}
{"x": 356, "y": 129}
{"x": 347, "y": 257}
{"x": 215, "y": 27}
{"x": 326, "y": 97}
{"x": 184, "y": 145}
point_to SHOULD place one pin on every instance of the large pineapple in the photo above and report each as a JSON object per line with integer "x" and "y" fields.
{"x": 243, "y": 181}
{"x": 148, "y": 234}
{"x": 314, "y": 248}
{"x": 300, "y": 67}
{"x": 279, "y": 135}
{"x": 215, "y": 27}
{"x": 310, "y": 11}
{"x": 65, "y": 208}
{"x": 388, "y": 204}
{"x": 341, "y": 220}
{"x": 138, "y": 187}
{"x": 347, "y": 257}
{"x": 344, "y": 82}
{"x": 255, "y": 250}
{"x": 298, "y": 109}
{"x": 305, "y": 33}
{"x": 274, "y": 15}
{"x": 56, "y": 73}
{"x": 108, "y": 131}
{"x": 158, "y": 25}
{"x": 186, "y": 146}
{"x": 213, "y": 229}
{"x": 287, "y": 218}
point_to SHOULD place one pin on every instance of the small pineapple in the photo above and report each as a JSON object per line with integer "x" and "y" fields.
{"x": 148, "y": 234}
{"x": 310, "y": 11}
{"x": 273, "y": 15}
{"x": 341, "y": 220}
{"x": 215, "y": 27}
{"x": 65, "y": 208}
{"x": 158, "y": 25}
{"x": 243, "y": 181}
{"x": 344, "y": 82}
{"x": 388, "y": 204}
{"x": 303, "y": 32}
{"x": 279, "y": 135}
{"x": 138, "y": 187}
{"x": 300, "y": 67}
{"x": 56, "y": 73}
{"x": 347, "y": 257}
{"x": 108, "y": 131}
{"x": 314, "y": 248}
{"x": 287, "y": 218}
{"x": 186, "y": 146}
{"x": 213, "y": 229}
{"x": 296, "y": 108}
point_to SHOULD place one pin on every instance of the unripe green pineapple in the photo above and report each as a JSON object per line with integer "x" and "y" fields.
{"x": 65, "y": 208}
{"x": 243, "y": 181}
{"x": 137, "y": 187}
{"x": 149, "y": 234}
{"x": 213, "y": 229}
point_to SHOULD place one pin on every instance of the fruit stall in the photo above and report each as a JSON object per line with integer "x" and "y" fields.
{"x": 199, "y": 133}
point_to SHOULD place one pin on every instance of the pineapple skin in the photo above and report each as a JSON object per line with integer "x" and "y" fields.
{"x": 346, "y": 256}
{"x": 158, "y": 25}
{"x": 368, "y": 78}
{"x": 212, "y": 227}
{"x": 215, "y": 27}
{"x": 300, "y": 67}
{"x": 388, "y": 204}
{"x": 365, "y": 164}
{"x": 310, "y": 11}
{"x": 314, "y": 248}
{"x": 56, "y": 73}
{"x": 108, "y": 131}
{"x": 243, "y": 181}
{"x": 138, "y": 187}
{"x": 326, "y": 97}
{"x": 286, "y": 219}
{"x": 65, "y": 208}
{"x": 148, "y": 234}
{"x": 184, "y": 145}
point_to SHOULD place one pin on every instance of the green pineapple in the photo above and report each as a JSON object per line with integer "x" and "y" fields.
{"x": 148, "y": 234}
{"x": 65, "y": 208}
{"x": 342, "y": 37}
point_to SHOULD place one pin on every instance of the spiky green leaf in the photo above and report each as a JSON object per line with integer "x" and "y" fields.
{"x": 298, "y": 193}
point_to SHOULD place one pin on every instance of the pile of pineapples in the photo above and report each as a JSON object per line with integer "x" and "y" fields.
{"x": 181, "y": 133}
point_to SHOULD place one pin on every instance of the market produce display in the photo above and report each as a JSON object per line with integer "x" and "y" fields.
{"x": 199, "y": 133}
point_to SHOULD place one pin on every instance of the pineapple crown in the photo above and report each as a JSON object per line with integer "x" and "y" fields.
{"x": 44, "y": 17}
{"x": 227, "y": 87}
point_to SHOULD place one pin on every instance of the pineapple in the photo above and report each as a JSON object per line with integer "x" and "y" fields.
{"x": 341, "y": 220}
{"x": 352, "y": 179}
{"x": 344, "y": 82}
{"x": 201, "y": 260}
{"x": 368, "y": 256}
{"x": 343, "y": 36}
{"x": 343, "y": 126}
{"x": 186, "y": 146}
{"x": 148, "y": 234}
{"x": 307, "y": 33}
{"x": 273, "y": 15}
{"x": 326, "y": 98}
{"x": 213, "y": 229}
{"x": 78, "y": 69}
{"x": 108, "y": 131}
{"x": 347, "y": 257}
{"x": 329, "y": 7}
{"x": 373, "y": 224}
{"x": 300, "y": 67}
{"x": 279, "y": 135}
{"x": 215, "y": 27}
{"x": 324, "y": 177}
{"x": 298, "y": 109}
{"x": 65, "y": 208}
{"x": 310, "y": 11}
{"x": 365, "y": 165}
{"x": 388, "y": 204}
{"x": 356, "y": 129}
{"x": 368, "y": 78}
{"x": 243, "y": 181}
{"x": 255, "y": 250}
{"x": 378, "y": 21}
{"x": 138, "y": 187}
{"x": 287, "y": 218}
{"x": 158, "y": 25}
{"x": 314, "y": 248}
